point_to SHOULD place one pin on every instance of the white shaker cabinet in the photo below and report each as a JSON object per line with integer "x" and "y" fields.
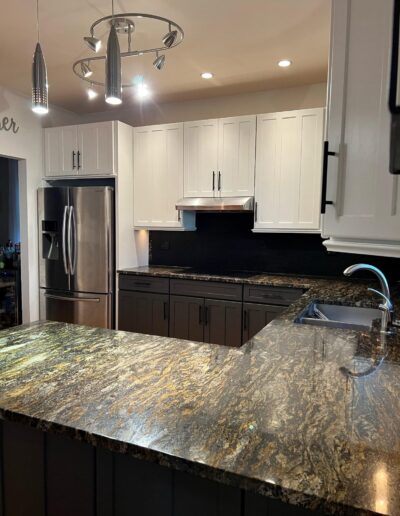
{"x": 96, "y": 148}
{"x": 61, "y": 146}
{"x": 236, "y": 156}
{"x": 81, "y": 150}
{"x": 200, "y": 158}
{"x": 289, "y": 171}
{"x": 364, "y": 214}
{"x": 219, "y": 157}
{"x": 158, "y": 177}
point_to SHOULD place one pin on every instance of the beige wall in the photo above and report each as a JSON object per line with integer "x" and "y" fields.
{"x": 27, "y": 146}
{"x": 299, "y": 97}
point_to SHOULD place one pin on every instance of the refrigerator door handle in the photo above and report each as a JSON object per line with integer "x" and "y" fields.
{"x": 72, "y": 240}
{"x": 74, "y": 299}
{"x": 64, "y": 242}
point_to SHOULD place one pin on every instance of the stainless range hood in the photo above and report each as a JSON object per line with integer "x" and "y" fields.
{"x": 230, "y": 204}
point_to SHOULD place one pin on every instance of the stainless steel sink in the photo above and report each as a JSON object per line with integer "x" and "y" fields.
{"x": 338, "y": 316}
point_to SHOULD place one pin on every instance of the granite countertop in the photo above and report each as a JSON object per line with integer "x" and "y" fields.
{"x": 253, "y": 278}
{"x": 281, "y": 416}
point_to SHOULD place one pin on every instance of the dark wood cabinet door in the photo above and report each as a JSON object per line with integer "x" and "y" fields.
{"x": 186, "y": 318}
{"x": 143, "y": 312}
{"x": 223, "y": 322}
{"x": 257, "y": 316}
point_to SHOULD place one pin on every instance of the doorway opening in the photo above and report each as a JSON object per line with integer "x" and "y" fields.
{"x": 10, "y": 245}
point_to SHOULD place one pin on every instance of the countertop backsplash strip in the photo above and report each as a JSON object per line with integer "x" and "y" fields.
{"x": 225, "y": 241}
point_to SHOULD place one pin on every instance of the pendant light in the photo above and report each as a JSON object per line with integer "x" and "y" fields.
{"x": 40, "y": 86}
{"x": 113, "y": 66}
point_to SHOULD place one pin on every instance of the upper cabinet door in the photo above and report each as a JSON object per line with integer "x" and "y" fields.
{"x": 236, "y": 156}
{"x": 158, "y": 175}
{"x": 61, "y": 147}
{"x": 365, "y": 196}
{"x": 289, "y": 171}
{"x": 201, "y": 158}
{"x": 96, "y": 149}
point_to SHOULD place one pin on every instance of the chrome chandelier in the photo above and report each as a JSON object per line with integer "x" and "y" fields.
{"x": 121, "y": 27}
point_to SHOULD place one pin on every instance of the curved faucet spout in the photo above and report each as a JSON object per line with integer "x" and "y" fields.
{"x": 387, "y": 306}
{"x": 365, "y": 267}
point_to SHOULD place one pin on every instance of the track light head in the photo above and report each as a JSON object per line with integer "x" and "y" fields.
{"x": 170, "y": 38}
{"x": 93, "y": 43}
{"x": 159, "y": 62}
{"x": 86, "y": 70}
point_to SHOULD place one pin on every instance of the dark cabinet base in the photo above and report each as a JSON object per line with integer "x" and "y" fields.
{"x": 51, "y": 475}
{"x": 143, "y": 312}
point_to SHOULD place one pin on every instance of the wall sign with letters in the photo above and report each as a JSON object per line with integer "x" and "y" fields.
{"x": 9, "y": 124}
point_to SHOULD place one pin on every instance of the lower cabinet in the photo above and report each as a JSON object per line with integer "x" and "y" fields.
{"x": 186, "y": 318}
{"x": 223, "y": 322}
{"x": 203, "y": 311}
{"x": 257, "y": 316}
{"x": 206, "y": 320}
{"x": 143, "y": 312}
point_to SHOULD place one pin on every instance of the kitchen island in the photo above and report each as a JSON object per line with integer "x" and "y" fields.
{"x": 114, "y": 423}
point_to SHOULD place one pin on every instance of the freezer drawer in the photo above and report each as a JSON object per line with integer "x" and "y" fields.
{"x": 78, "y": 308}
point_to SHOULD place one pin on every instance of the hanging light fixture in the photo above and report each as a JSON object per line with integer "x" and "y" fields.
{"x": 40, "y": 86}
{"x": 159, "y": 61}
{"x": 170, "y": 38}
{"x": 120, "y": 28}
{"x": 86, "y": 70}
{"x": 113, "y": 66}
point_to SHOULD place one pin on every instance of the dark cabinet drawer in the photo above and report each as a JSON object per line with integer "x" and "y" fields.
{"x": 271, "y": 295}
{"x": 143, "y": 283}
{"x": 207, "y": 289}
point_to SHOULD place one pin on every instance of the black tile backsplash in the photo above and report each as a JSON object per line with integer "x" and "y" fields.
{"x": 225, "y": 241}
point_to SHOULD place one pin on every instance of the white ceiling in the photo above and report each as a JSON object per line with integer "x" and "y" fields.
{"x": 240, "y": 41}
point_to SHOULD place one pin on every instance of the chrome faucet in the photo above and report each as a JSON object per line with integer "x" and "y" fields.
{"x": 386, "y": 306}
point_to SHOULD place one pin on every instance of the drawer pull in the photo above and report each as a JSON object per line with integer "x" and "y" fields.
{"x": 142, "y": 283}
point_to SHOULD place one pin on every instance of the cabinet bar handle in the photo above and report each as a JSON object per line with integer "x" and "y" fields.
{"x": 213, "y": 181}
{"x": 200, "y": 314}
{"x": 165, "y": 310}
{"x": 79, "y": 159}
{"x": 327, "y": 153}
{"x": 73, "y": 160}
{"x": 255, "y": 212}
{"x": 245, "y": 322}
{"x": 205, "y": 315}
{"x": 219, "y": 181}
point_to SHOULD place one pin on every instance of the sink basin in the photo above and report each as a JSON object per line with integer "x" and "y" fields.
{"x": 338, "y": 316}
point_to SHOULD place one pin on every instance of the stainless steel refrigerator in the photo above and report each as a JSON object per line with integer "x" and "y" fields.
{"x": 76, "y": 246}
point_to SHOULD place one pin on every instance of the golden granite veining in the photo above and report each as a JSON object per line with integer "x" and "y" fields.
{"x": 279, "y": 415}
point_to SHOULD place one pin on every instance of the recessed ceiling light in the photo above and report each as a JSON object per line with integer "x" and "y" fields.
{"x": 207, "y": 75}
{"x": 284, "y": 63}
